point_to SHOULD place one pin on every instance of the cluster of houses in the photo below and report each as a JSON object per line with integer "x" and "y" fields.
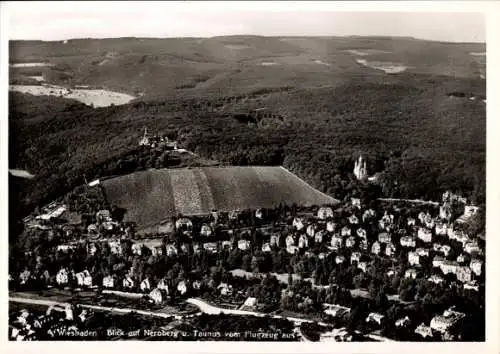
{"x": 157, "y": 141}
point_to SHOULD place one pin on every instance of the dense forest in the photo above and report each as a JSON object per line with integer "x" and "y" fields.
{"x": 407, "y": 127}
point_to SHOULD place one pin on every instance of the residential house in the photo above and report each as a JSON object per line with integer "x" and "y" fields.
{"x": 303, "y": 241}
{"x": 411, "y": 273}
{"x": 91, "y": 249}
{"x": 197, "y": 247}
{"x": 128, "y": 283}
{"x": 266, "y": 247}
{"x": 170, "y": 250}
{"x": 471, "y": 286}
{"x": 429, "y": 221}
{"x": 318, "y": 238}
{"x": 436, "y": 279}
{"x": 206, "y": 231}
{"x": 225, "y": 289}
{"x": 65, "y": 248}
{"x": 298, "y": 223}
{"x": 424, "y": 234}
{"x": 137, "y": 249}
{"x": 363, "y": 266}
{"x": 196, "y": 285}
{"x": 346, "y": 231}
{"x": 108, "y": 282}
{"x": 375, "y": 248}
{"x": 472, "y": 248}
{"x": 355, "y": 257}
{"x": 292, "y": 249}
{"x": 259, "y": 214}
{"x": 375, "y": 317}
{"x": 458, "y": 235}
{"x": 353, "y": 219}
{"x": 115, "y": 247}
{"x": 464, "y": 274}
{"x": 390, "y": 249}
{"x": 163, "y": 285}
{"x": 441, "y": 228}
{"x": 437, "y": 261}
{"x": 408, "y": 241}
{"x": 275, "y": 240}
{"x": 84, "y": 279}
{"x": 477, "y": 266}
{"x": 157, "y": 251}
{"x": 463, "y": 258}
{"x": 250, "y": 303}
{"x": 411, "y": 222}
{"x": 424, "y": 331}
{"x": 437, "y": 247}
{"x": 212, "y": 246}
{"x": 336, "y": 242}
{"x": 350, "y": 242}
{"x": 157, "y": 296}
{"x": 325, "y": 213}
{"x": 339, "y": 259}
{"x": 446, "y": 249}
{"x": 182, "y": 287}
{"x": 445, "y": 322}
{"x": 421, "y": 217}
{"x": 422, "y": 252}
{"x": 335, "y": 310}
{"x": 356, "y": 202}
{"x": 290, "y": 241}
{"x": 445, "y": 211}
{"x": 145, "y": 285}
{"x": 384, "y": 237}
{"x": 62, "y": 277}
{"x": 413, "y": 258}
{"x": 469, "y": 211}
{"x": 449, "y": 267}
{"x": 311, "y": 230}
{"x": 331, "y": 226}
{"x": 361, "y": 233}
{"x": 363, "y": 244}
{"x": 368, "y": 214}
{"x": 403, "y": 322}
{"x": 183, "y": 223}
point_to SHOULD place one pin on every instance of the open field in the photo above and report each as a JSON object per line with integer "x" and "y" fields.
{"x": 154, "y": 195}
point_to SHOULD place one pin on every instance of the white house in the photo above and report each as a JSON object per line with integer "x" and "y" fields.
{"x": 363, "y": 266}
{"x": 375, "y": 247}
{"x": 292, "y": 249}
{"x": 477, "y": 266}
{"x": 336, "y": 242}
{"x": 413, "y": 258}
{"x": 437, "y": 247}
{"x": 421, "y": 217}
{"x": 145, "y": 285}
{"x": 361, "y": 233}
{"x": 157, "y": 296}
{"x": 353, "y": 219}
{"x": 384, "y": 237}
{"x": 335, "y": 310}
{"x": 162, "y": 285}
{"x": 137, "y": 248}
{"x": 449, "y": 267}
{"x": 128, "y": 282}
{"x": 441, "y": 229}
{"x": 443, "y": 323}
{"x": 108, "y": 282}
{"x": 289, "y": 241}
{"x": 355, "y": 257}
{"x": 62, "y": 277}
{"x": 470, "y": 211}
{"x": 346, "y": 231}
{"x": 258, "y": 214}
{"x": 206, "y": 230}
{"x": 311, "y": 230}
{"x": 403, "y": 322}
{"x": 390, "y": 249}
{"x": 84, "y": 279}
{"x": 356, "y": 202}
{"x": 437, "y": 261}
{"x": 375, "y": 318}
{"x": 318, "y": 238}
{"x": 303, "y": 241}
{"x": 436, "y": 279}
{"x": 363, "y": 244}
{"x": 298, "y": 223}
{"x": 422, "y": 252}
{"x": 212, "y": 246}
{"x": 471, "y": 286}
{"x": 266, "y": 247}
{"x": 350, "y": 242}
{"x": 411, "y": 273}
{"x": 225, "y": 289}
{"x": 445, "y": 211}
{"x": 339, "y": 259}
{"x": 472, "y": 247}
{"x": 330, "y": 226}
{"x": 183, "y": 223}
{"x": 445, "y": 249}
{"x": 182, "y": 287}
{"x": 91, "y": 249}
{"x": 411, "y": 222}
{"x": 408, "y": 241}
{"x": 424, "y": 331}
{"x": 325, "y": 213}
{"x": 250, "y": 302}
{"x": 115, "y": 247}
{"x": 424, "y": 234}
{"x": 462, "y": 258}
{"x": 368, "y": 214}
{"x": 275, "y": 240}
{"x": 170, "y": 250}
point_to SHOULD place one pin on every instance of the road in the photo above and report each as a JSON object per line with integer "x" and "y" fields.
{"x": 417, "y": 201}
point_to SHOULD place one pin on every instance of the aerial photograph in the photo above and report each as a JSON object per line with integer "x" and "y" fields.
{"x": 201, "y": 174}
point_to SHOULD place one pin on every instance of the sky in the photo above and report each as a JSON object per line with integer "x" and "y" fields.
{"x": 65, "y": 20}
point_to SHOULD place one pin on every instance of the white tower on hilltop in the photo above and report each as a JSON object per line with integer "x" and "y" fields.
{"x": 360, "y": 169}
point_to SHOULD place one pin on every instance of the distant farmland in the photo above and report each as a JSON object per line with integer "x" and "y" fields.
{"x": 154, "y": 195}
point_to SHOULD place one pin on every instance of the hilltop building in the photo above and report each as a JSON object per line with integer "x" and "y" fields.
{"x": 360, "y": 170}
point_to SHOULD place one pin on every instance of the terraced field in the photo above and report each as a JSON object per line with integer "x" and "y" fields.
{"x": 153, "y": 196}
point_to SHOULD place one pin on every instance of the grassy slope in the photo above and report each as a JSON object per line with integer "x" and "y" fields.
{"x": 153, "y": 196}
